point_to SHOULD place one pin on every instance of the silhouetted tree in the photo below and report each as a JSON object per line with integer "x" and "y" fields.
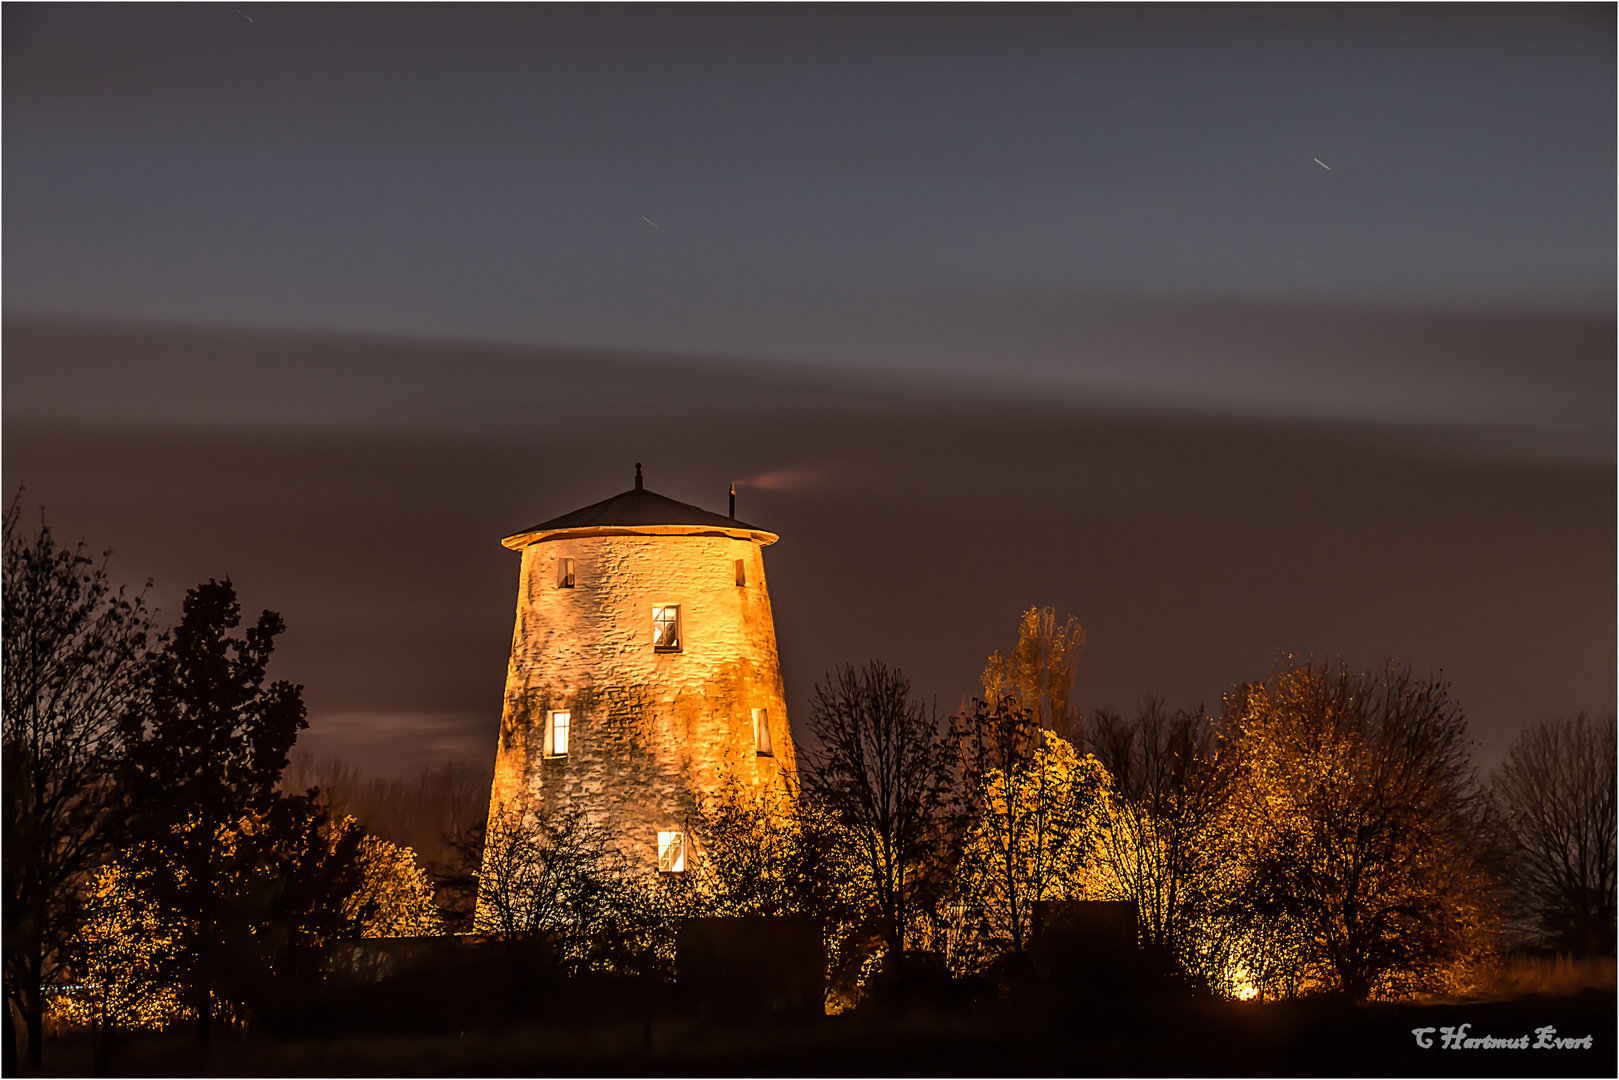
{"x": 558, "y": 877}
{"x": 1168, "y": 842}
{"x": 1556, "y": 798}
{"x": 455, "y": 876}
{"x": 1358, "y": 818}
{"x": 879, "y": 764}
{"x": 209, "y": 753}
{"x": 75, "y": 665}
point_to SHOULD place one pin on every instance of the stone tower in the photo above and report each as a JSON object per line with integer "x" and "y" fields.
{"x": 643, "y": 669}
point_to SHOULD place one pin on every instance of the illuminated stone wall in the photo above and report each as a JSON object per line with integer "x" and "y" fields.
{"x": 651, "y": 731}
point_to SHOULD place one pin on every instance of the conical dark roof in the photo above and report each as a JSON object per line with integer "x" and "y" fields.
{"x": 635, "y": 508}
{"x": 638, "y": 507}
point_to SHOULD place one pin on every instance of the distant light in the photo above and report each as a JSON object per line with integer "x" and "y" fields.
{"x": 1321, "y": 163}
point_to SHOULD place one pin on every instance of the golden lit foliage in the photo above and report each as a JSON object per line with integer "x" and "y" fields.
{"x": 1040, "y": 672}
{"x": 1167, "y": 845}
{"x": 395, "y": 898}
{"x": 774, "y": 854}
{"x": 123, "y": 956}
{"x": 1033, "y": 836}
{"x": 1357, "y": 820}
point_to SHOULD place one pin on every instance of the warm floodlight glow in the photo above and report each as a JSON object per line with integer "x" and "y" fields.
{"x": 1242, "y": 985}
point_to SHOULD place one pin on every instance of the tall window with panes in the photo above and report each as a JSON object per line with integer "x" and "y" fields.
{"x": 666, "y": 628}
{"x": 557, "y": 726}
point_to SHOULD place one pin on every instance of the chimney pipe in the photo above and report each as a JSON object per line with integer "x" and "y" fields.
{"x": 637, "y": 476}
{"x": 733, "y": 502}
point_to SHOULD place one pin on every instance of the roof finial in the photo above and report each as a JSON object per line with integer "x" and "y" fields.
{"x": 733, "y": 501}
{"x": 637, "y": 476}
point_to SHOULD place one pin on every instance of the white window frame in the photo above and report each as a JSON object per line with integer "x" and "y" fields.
{"x": 762, "y": 746}
{"x": 658, "y": 611}
{"x": 671, "y": 851}
{"x": 552, "y": 728}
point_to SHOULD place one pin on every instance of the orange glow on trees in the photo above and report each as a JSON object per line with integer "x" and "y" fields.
{"x": 1168, "y": 844}
{"x": 76, "y": 663}
{"x": 394, "y": 897}
{"x": 1034, "y": 831}
{"x": 123, "y": 956}
{"x": 1359, "y": 821}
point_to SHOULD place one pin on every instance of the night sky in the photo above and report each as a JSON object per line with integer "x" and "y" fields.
{"x": 1232, "y": 332}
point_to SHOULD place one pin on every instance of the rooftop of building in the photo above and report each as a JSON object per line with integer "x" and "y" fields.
{"x": 639, "y": 510}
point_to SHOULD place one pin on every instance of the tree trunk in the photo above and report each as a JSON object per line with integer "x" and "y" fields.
{"x": 8, "y": 1058}
{"x": 205, "y": 1006}
{"x": 34, "y": 1018}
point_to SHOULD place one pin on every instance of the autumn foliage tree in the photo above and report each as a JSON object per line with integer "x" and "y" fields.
{"x": 207, "y": 754}
{"x": 1168, "y": 845}
{"x": 74, "y": 668}
{"x": 1034, "y": 822}
{"x": 1359, "y": 820}
{"x": 1039, "y": 672}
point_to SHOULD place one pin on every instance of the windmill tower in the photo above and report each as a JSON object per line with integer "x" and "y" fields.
{"x": 643, "y": 669}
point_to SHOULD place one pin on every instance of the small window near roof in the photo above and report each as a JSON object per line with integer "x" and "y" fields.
{"x": 564, "y": 573}
{"x": 671, "y": 852}
{"x": 556, "y": 733}
{"x": 666, "y": 628}
{"x": 741, "y": 572}
{"x": 761, "y": 733}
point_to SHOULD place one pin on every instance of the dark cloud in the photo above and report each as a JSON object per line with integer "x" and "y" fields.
{"x": 833, "y": 185}
{"x": 916, "y": 522}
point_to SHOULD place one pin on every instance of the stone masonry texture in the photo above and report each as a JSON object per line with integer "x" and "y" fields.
{"x": 652, "y": 733}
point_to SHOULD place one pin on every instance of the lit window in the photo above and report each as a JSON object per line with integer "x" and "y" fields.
{"x": 761, "y": 733}
{"x": 564, "y": 573}
{"x": 741, "y": 572}
{"x": 671, "y": 852}
{"x": 666, "y": 628}
{"x": 556, "y": 734}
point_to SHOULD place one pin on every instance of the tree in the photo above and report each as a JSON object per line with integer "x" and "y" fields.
{"x": 291, "y": 881}
{"x": 747, "y": 861}
{"x": 1555, "y": 797}
{"x": 1167, "y": 843}
{"x": 208, "y": 754}
{"x": 395, "y": 896}
{"x": 777, "y": 854}
{"x": 123, "y": 959}
{"x": 878, "y": 764}
{"x": 455, "y": 876}
{"x": 1040, "y": 672}
{"x": 557, "y": 876}
{"x": 1035, "y": 827}
{"x": 1358, "y": 818}
{"x": 75, "y": 666}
